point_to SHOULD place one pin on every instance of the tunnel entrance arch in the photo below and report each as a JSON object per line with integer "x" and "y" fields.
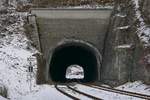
{"x": 70, "y": 52}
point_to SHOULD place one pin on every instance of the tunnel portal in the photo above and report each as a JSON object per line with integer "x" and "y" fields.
{"x": 53, "y": 26}
{"x": 70, "y": 54}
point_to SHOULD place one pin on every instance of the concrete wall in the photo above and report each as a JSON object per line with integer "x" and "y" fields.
{"x": 125, "y": 64}
{"x": 54, "y": 26}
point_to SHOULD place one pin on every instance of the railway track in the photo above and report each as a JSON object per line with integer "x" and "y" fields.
{"x": 75, "y": 94}
{"x": 68, "y": 95}
{"x": 91, "y": 97}
{"x": 138, "y": 95}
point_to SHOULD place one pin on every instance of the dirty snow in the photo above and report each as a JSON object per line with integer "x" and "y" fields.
{"x": 105, "y": 95}
{"x": 143, "y": 30}
{"x": 136, "y": 86}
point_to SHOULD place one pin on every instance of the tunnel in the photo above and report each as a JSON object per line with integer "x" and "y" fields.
{"x": 74, "y": 53}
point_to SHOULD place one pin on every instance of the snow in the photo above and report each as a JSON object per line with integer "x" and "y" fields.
{"x": 120, "y": 15}
{"x": 74, "y": 72}
{"x": 14, "y": 65}
{"x": 105, "y": 95}
{"x": 143, "y": 30}
{"x": 136, "y": 86}
{"x": 2, "y": 98}
{"x": 15, "y": 52}
{"x": 147, "y": 57}
{"x": 46, "y": 93}
{"x": 91, "y": 6}
{"x": 124, "y": 46}
{"x": 123, "y": 27}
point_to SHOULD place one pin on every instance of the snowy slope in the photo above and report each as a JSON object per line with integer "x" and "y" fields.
{"x": 14, "y": 51}
{"x": 15, "y": 55}
{"x": 2, "y": 98}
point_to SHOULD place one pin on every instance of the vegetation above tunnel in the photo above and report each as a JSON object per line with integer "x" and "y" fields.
{"x": 59, "y": 3}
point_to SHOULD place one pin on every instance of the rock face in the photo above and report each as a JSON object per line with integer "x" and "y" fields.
{"x": 3, "y": 91}
{"x": 126, "y": 44}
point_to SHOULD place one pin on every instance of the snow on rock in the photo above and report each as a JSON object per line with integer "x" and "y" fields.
{"x": 124, "y": 46}
{"x": 3, "y": 90}
{"x": 91, "y": 7}
{"x": 136, "y": 86}
{"x": 143, "y": 30}
{"x": 2, "y": 98}
{"x": 122, "y": 27}
{"x": 122, "y": 15}
{"x": 14, "y": 52}
{"x": 15, "y": 55}
{"x": 74, "y": 72}
{"x": 147, "y": 57}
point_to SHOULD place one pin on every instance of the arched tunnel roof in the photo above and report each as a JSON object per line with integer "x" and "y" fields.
{"x": 74, "y": 52}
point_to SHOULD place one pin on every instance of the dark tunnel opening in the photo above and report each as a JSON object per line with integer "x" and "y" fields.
{"x": 70, "y": 54}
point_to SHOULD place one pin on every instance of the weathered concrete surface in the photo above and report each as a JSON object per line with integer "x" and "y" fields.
{"x": 32, "y": 28}
{"x": 54, "y": 26}
{"x": 72, "y": 13}
{"x": 122, "y": 65}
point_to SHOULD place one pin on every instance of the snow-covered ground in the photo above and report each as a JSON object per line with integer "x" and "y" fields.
{"x": 105, "y": 95}
{"x": 46, "y": 92}
{"x": 2, "y": 98}
{"x": 136, "y": 86}
{"x": 73, "y": 93}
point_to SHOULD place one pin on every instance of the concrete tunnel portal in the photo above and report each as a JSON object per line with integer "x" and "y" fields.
{"x": 74, "y": 52}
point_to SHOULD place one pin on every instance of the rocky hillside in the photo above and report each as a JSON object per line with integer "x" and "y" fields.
{"x": 127, "y": 47}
